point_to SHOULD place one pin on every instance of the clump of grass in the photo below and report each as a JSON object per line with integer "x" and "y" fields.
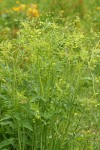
{"x": 48, "y": 86}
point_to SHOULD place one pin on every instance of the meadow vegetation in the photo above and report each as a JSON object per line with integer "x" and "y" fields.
{"x": 49, "y": 75}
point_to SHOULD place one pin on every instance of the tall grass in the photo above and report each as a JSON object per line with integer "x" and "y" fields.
{"x": 50, "y": 88}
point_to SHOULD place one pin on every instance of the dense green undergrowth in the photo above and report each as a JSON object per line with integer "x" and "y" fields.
{"x": 49, "y": 88}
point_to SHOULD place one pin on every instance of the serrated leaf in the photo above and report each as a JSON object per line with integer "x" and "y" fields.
{"x": 5, "y": 123}
{"x": 27, "y": 125}
{"x": 17, "y": 116}
{"x": 6, "y": 117}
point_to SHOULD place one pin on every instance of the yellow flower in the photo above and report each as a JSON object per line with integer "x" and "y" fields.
{"x": 34, "y": 6}
{"x": 33, "y": 12}
{"x": 17, "y": 2}
{"x": 22, "y": 7}
{"x": 16, "y": 8}
{"x": 19, "y": 8}
{"x": 98, "y": 8}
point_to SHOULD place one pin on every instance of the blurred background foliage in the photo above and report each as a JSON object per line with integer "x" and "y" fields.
{"x": 11, "y": 12}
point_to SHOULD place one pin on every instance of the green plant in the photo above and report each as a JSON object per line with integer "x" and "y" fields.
{"x": 48, "y": 86}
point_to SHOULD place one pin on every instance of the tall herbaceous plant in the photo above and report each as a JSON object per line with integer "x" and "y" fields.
{"x": 49, "y": 88}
